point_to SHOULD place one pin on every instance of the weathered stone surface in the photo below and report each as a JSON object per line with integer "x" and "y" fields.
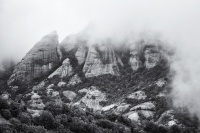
{"x": 152, "y": 56}
{"x": 100, "y": 60}
{"x": 144, "y": 106}
{"x": 69, "y": 95}
{"x": 134, "y": 115}
{"x": 109, "y": 107}
{"x": 51, "y": 86}
{"x": 81, "y": 54}
{"x": 36, "y": 101}
{"x": 39, "y": 61}
{"x": 137, "y": 95}
{"x": 39, "y": 86}
{"x": 167, "y": 118}
{"x": 134, "y": 60}
{"x": 92, "y": 99}
{"x": 74, "y": 80}
{"x": 83, "y": 91}
{"x": 161, "y": 82}
{"x": 63, "y": 71}
{"x": 61, "y": 84}
{"x": 122, "y": 108}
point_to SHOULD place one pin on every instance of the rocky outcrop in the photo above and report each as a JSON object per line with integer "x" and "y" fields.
{"x": 74, "y": 80}
{"x": 39, "y": 61}
{"x": 137, "y": 95}
{"x": 152, "y": 56}
{"x": 144, "y": 106}
{"x": 70, "y": 95}
{"x": 134, "y": 60}
{"x": 61, "y": 84}
{"x": 63, "y": 71}
{"x": 81, "y": 54}
{"x": 100, "y": 60}
{"x": 92, "y": 99}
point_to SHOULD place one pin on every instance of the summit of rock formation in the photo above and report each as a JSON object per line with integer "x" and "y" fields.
{"x": 39, "y": 61}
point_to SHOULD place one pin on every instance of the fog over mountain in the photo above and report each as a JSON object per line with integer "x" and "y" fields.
{"x": 176, "y": 23}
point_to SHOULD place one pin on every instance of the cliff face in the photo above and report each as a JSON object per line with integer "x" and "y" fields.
{"x": 64, "y": 70}
{"x": 39, "y": 61}
{"x": 81, "y": 54}
{"x": 101, "y": 59}
{"x": 152, "y": 56}
{"x": 134, "y": 60}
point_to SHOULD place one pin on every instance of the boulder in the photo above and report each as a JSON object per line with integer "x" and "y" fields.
{"x": 144, "y": 106}
{"x": 38, "y": 62}
{"x": 121, "y": 108}
{"x": 83, "y": 91}
{"x": 109, "y": 107}
{"x": 69, "y": 95}
{"x": 51, "y": 86}
{"x": 133, "y": 116}
{"x": 63, "y": 71}
{"x": 61, "y": 84}
{"x": 137, "y": 95}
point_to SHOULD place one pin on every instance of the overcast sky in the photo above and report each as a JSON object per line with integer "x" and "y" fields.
{"x": 24, "y": 22}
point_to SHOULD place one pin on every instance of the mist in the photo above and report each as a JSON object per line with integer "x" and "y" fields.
{"x": 176, "y": 23}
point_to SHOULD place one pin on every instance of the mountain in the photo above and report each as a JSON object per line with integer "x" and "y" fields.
{"x": 79, "y": 87}
{"x": 39, "y": 61}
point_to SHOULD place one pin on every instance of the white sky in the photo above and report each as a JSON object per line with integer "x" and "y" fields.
{"x": 24, "y": 22}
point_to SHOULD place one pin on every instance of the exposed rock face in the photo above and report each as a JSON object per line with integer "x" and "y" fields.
{"x": 152, "y": 56}
{"x": 39, "y": 61}
{"x": 74, "y": 80}
{"x": 61, "y": 84}
{"x": 144, "y": 106}
{"x": 167, "y": 118}
{"x": 137, "y": 95}
{"x": 81, "y": 54}
{"x": 36, "y": 101}
{"x": 39, "y": 86}
{"x": 134, "y": 60}
{"x": 69, "y": 94}
{"x": 64, "y": 70}
{"x": 92, "y": 99}
{"x": 100, "y": 60}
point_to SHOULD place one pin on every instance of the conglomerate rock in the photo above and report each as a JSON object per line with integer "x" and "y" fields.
{"x": 38, "y": 62}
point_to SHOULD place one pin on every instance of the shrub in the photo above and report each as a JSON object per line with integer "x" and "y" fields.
{"x": 24, "y": 118}
{"x": 46, "y": 119}
{"x": 3, "y": 104}
{"x": 6, "y": 114}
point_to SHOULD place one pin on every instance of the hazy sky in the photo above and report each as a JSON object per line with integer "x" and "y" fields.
{"x": 24, "y": 22}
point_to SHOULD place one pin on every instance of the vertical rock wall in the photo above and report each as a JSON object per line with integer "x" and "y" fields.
{"x": 100, "y": 60}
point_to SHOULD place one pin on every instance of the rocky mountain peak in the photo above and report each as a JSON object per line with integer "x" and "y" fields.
{"x": 39, "y": 61}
